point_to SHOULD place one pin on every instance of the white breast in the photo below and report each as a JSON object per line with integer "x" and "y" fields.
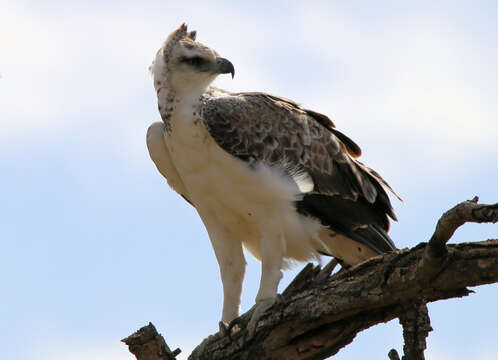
{"x": 238, "y": 197}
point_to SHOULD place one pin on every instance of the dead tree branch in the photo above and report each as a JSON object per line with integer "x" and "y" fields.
{"x": 416, "y": 326}
{"x": 467, "y": 211}
{"x": 321, "y": 313}
{"x": 147, "y": 344}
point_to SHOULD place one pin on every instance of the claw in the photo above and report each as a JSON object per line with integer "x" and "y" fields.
{"x": 259, "y": 309}
{"x": 232, "y": 326}
{"x": 224, "y": 328}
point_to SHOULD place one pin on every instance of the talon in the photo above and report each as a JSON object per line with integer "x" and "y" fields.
{"x": 259, "y": 309}
{"x": 227, "y": 329}
{"x": 234, "y": 325}
{"x": 224, "y": 329}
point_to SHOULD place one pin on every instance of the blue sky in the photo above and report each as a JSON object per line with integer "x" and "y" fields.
{"x": 95, "y": 244}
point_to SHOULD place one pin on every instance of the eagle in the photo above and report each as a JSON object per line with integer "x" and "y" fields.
{"x": 262, "y": 172}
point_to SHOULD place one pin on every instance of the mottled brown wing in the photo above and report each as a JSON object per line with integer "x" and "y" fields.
{"x": 262, "y": 128}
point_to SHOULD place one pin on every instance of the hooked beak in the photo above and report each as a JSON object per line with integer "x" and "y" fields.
{"x": 223, "y": 66}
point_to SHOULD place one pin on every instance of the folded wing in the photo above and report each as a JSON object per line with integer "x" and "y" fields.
{"x": 346, "y": 196}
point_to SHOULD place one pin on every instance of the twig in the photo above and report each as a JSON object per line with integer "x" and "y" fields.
{"x": 393, "y": 355}
{"x": 302, "y": 279}
{"x": 327, "y": 270}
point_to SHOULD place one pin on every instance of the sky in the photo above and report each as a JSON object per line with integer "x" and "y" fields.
{"x": 95, "y": 245}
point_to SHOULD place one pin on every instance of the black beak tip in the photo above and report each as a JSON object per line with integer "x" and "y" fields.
{"x": 225, "y": 67}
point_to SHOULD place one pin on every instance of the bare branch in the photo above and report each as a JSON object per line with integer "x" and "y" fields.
{"x": 416, "y": 326}
{"x": 393, "y": 355}
{"x": 327, "y": 270}
{"x": 467, "y": 211}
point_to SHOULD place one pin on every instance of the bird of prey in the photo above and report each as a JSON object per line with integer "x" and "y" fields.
{"x": 262, "y": 172}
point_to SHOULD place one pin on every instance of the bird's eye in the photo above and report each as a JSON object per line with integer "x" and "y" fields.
{"x": 193, "y": 61}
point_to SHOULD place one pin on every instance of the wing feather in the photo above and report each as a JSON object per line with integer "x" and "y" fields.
{"x": 263, "y": 128}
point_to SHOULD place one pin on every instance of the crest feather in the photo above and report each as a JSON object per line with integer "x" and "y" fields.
{"x": 179, "y": 33}
{"x": 175, "y": 37}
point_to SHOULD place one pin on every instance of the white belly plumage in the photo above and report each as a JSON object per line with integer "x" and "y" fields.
{"x": 237, "y": 197}
{"x": 229, "y": 193}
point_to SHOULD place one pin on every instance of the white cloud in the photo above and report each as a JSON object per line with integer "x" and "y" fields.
{"x": 403, "y": 85}
{"x": 29, "y": 55}
{"x": 406, "y": 86}
{"x": 63, "y": 74}
{"x": 57, "y": 73}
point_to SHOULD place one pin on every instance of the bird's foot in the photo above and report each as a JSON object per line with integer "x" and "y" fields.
{"x": 259, "y": 309}
{"x": 226, "y": 329}
{"x": 223, "y": 328}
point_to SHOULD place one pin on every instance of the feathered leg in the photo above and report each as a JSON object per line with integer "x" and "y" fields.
{"x": 232, "y": 268}
{"x": 272, "y": 252}
{"x": 228, "y": 251}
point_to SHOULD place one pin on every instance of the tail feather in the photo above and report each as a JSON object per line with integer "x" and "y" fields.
{"x": 358, "y": 221}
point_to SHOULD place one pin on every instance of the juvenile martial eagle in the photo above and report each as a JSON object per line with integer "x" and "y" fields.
{"x": 262, "y": 172}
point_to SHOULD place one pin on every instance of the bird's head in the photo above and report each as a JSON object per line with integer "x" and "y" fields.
{"x": 185, "y": 66}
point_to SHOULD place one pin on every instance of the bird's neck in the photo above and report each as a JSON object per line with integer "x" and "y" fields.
{"x": 166, "y": 104}
{"x": 171, "y": 102}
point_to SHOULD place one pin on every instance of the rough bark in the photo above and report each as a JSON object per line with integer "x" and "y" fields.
{"x": 319, "y": 314}
{"x": 147, "y": 344}
{"x": 416, "y": 326}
